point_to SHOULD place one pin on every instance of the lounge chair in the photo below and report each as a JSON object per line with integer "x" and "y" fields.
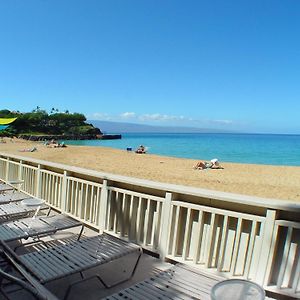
{"x": 10, "y": 185}
{"x": 11, "y": 211}
{"x": 59, "y": 261}
{"x": 12, "y": 196}
{"x": 178, "y": 282}
{"x": 5, "y": 187}
{"x": 37, "y": 227}
{"x": 10, "y": 283}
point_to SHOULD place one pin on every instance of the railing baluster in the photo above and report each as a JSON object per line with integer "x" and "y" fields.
{"x": 130, "y": 216}
{"x": 85, "y": 206}
{"x": 284, "y": 265}
{"x": 223, "y": 244}
{"x": 164, "y": 236}
{"x": 296, "y": 279}
{"x": 211, "y": 240}
{"x": 139, "y": 220}
{"x": 187, "y": 234}
{"x": 122, "y": 215}
{"x": 236, "y": 246}
{"x": 250, "y": 249}
{"x": 157, "y": 225}
{"x": 154, "y": 226}
{"x": 72, "y": 196}
{"x": 199, "y": 234}
{"x": 176, "y": 233}
{"x": 267, "y": 237}
{"x": 99, "y": 208}
{"x": 146, "y": 222}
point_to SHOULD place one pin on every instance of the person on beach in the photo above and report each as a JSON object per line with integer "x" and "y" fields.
{"x": 55, "y": 144}
{"x": 213, "y": 164}
{"x": 33, "y": 149}
{"x": 140, "y": 150}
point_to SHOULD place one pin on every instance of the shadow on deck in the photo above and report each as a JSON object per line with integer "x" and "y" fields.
{"x": 93, "y": 289}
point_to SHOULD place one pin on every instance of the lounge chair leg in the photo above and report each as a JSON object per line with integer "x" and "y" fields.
{"x": 131, "y": 275}
{"x": 80, "y": 233}
{"x": 100, "y": 279}
{"x": 49, "y": 210}
{"x": 136, "y": 264}
{"x": 80, "y": 281}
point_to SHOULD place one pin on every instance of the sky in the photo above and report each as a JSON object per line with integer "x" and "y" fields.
{"x": 230, "y": 65}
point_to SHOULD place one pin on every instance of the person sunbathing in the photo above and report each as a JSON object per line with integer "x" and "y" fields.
{"x": 33, "y": 149}
{"x": 213, "y": 164}
{"x": 141, "y": 149}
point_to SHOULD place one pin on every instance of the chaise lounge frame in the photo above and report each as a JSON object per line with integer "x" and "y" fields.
{"x": 60, "y": 261}
{"x": 12, "y": 210}
{"x": 12, "y": 196}
{"x": 37, "y": 227}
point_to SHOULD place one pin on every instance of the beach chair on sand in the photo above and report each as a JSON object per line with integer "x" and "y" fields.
{"x": 13, "y": 210}
{"x": 59, "y": 261}
{"x": 37, "y": 227}
{"x": 11, "y": 196}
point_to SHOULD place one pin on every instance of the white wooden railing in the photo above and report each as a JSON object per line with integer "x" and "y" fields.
{"x": 233, "y": 235}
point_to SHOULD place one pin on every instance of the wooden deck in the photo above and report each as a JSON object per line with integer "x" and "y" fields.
{"x": 198, "y": 283}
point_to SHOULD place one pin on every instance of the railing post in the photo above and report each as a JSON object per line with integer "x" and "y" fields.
{"x": 265, "y": 246}
{"x": 21, "y": 170}
{"x": 103, "y": 206}
{"x": 38, "y": 187}
{"x": 64, "y": 192}
{"x": 165, "y": 226}
{"x": 7, "y": 169}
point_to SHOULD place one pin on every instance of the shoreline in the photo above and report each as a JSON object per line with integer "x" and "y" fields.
{"x": 262, "y": 149}
{"x": 268, "y": 181}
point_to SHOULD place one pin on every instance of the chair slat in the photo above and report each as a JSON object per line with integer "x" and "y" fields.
{"x": 76, "y": 256}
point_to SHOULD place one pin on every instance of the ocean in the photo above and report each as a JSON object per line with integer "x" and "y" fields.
{"x": 268, "y": 149}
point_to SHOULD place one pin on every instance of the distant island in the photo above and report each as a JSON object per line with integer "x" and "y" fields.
{"x": 122, "y": 127}
{"x": 40, "y": 125}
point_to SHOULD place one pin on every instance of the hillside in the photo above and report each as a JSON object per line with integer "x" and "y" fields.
{"x": 121, "y": 127}
{"x": 39, "y": 122}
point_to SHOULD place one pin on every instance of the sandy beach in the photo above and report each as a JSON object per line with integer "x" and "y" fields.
{"x": 279, "y": 182}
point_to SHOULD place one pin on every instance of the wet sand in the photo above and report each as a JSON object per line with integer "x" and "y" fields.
{"x": 279, "y": 182}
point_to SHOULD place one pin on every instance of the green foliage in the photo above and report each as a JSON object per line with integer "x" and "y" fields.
{"x": 40, "y": 122}
{"x": 5, "y": 113}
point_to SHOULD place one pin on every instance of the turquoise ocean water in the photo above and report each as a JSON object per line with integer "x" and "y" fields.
{"x": 269, "y": 149}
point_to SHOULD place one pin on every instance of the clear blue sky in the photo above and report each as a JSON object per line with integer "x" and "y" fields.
{"x": 217, "y": 64}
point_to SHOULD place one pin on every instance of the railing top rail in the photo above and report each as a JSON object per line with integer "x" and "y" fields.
{"x": 51, "y": 173}
{"x": 168, "y": 187}
{"x": 12, "y": 162}
{"x": 287, "y": 223}
{"x": 87, "y": 182}
{"x": 219, "y": 211}
{"x": 18, "y": 164}
{"x": 137, "y": 194}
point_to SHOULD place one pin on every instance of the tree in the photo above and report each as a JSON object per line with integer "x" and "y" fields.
{"x": 40, "y": 122}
